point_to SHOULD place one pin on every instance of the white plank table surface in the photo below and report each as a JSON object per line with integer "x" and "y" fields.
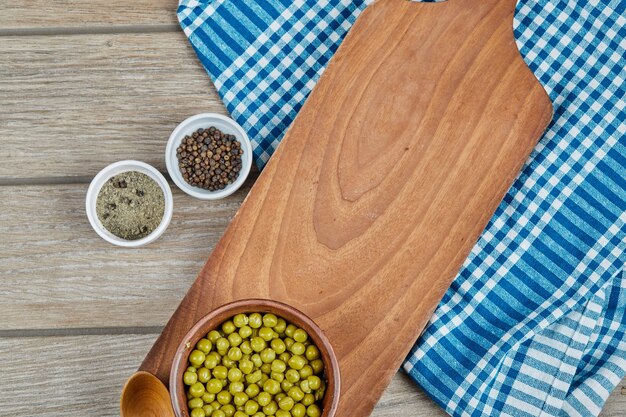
{"x": 84, "y": 84}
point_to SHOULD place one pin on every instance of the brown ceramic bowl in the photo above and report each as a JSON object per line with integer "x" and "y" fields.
{"x": 214, "y": 319}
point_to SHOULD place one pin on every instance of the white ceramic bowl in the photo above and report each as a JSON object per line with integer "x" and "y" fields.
{"x": 205, "y": 121}
{"x": 117, "y": 168}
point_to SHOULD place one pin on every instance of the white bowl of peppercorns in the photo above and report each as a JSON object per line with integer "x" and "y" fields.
{"x": 209, "y": 156}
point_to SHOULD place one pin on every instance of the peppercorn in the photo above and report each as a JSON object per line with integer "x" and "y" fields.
{"x": 209, "y": 159}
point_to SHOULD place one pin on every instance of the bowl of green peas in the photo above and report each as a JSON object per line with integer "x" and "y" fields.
{"x": 255, "y": 358}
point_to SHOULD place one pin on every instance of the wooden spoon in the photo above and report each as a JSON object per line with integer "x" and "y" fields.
{"x": 144, "y": 395}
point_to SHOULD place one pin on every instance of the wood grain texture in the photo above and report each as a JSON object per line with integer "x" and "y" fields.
{"x": 381, "y": 187}
{"x": 68, "y": 293}
{"x": 80, "y": 100}
{"x": 57, "y": 273}
{"x": 83, "y": 376}
{"x": 93, "y": 13}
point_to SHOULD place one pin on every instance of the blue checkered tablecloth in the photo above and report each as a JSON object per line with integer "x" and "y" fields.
{"x": 535, "y": 322}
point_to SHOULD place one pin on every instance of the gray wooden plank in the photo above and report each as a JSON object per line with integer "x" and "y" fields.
{"x": 83, "y": 375}
{"x": 93, "y": 13}
{"x": 56, "y": 272}
{"x": 70, "y": 105}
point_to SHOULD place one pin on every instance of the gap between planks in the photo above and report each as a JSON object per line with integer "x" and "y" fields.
{"x": 80, "y": 331}
{"x": 97, "y": 30}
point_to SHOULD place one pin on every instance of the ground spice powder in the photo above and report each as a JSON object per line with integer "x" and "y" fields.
{"x": 130, "y": 205}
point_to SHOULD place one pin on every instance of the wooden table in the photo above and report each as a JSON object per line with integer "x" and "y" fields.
{"x": 84, "y": 84}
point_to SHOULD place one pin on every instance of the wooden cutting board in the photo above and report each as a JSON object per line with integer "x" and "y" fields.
{"x": 381, "y": 187}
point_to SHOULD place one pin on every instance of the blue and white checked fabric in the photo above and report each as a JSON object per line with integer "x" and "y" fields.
{"x": 535, "y": 322}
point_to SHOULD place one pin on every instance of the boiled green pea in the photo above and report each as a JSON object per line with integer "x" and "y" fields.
{"x": 197, "y": 358}
{"x": 268, "y": 355}
{"x": 271, "y": 408}
{"x": 224, "y": 397}
{"x": 280, "y": 396}
{"x": 204, "y": 375}
{"x": 300, "y": 335}
{"x": 308, "y": 399}
{"x": 255, "y": 320}
{"x": 286, "y": 385}
{"x": 195, "y": 403}
{"x": 292, "y": 376}
{"x": 297, "y": 348}
{"x": 257, "y": 344}
{"x": 264, "y": 398}
{"x": 204, "y": 345}
{"x": 306, "y": 371}
{"x": 228, "y": 327}
{"x": 312, "y": 352}
{"x": 313, "y": 411}
{"x": 266, "y": 333}
{"x": 278, "y": 345}
{"x": 208, "y": 398}
{"x": 220, "y": 372}
{"x": 212, "y": 360}
{"x": 289, "y": 342}
{"x": 252, "y": 390}
{"x": 284, "y": 357}
{"x": 240, "y": 320}
{"x": 264, "y": 378}
{"x": 318, "y": 366}
{"x": 277, "y": 376}
{"x": 296, "y": 393}
{"x": 290, "y": 330}
{"x": 297, "y": 362}
{"x": 234, "y": 339}
{"x": 196, "y": 390}
{"x": 235, "y": 387}
{"x": 214, "y": 386}
{"x": 314, "y": 382}
{"x": 280, "y": 327}
{"x": 319, "y": 394}
{"x": 298, "y": 410}
{"x": 228, "y": 410}
{"x": 271, "y": 387}
{"x": 254, "y": 377}
{"x": 222, "y": 345}
{"x": 213, "y": 336}
{"x": 286, "y": 403}
{"x": 190, "y": 378}
{"x": 245, "y": 332}
{"x": 234, "y": 354}
{"x": 240, "y": 414}
{"x": 240, "y": 398}
{"x": 256, "y": 359}
{"x": 279, "y": 366}
{"x": 218, "y": 413}
{"x": 245, "y": 347}
{"x": 246, "y": 367}
{"x": 266, "y": 368}
{"x": 208, "y": 409}
{"x": 228, "y": 363}
{"x": 270, "y": 320}
{"x": 251, "y": 407}
{"x": 198, "y": 412}
{"x": 304, "y": 386}
{"x": 235, "y": 375}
